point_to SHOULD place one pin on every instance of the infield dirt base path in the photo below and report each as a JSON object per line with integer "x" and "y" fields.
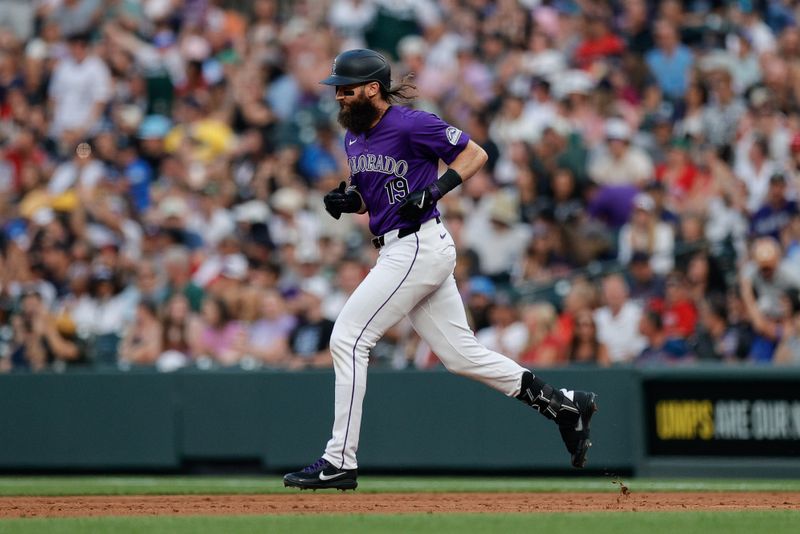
{"x": 388, "y": 503}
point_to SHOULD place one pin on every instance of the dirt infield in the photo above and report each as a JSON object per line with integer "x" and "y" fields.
{"x": 385, "y": 503}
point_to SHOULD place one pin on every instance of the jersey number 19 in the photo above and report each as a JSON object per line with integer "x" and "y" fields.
{"x": 397, "y": 189}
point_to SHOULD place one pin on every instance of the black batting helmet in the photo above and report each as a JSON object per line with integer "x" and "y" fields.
{"x": 360, "y": 66}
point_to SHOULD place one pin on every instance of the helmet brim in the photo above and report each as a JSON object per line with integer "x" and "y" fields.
{"x": 335, "y": 79}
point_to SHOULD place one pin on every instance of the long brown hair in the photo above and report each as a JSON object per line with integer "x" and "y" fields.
{"x": 576, "y": 341}
{"x": 405, "y": 91}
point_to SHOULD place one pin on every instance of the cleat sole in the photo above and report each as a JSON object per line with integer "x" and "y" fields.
{"x": 579, "y": 458}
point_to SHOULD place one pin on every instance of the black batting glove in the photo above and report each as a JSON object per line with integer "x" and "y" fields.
{"x": 341, "y": 200}
{"x": 416, "y": 204}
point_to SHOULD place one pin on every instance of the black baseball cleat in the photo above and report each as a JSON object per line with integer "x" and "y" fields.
{"x": 576, "y": 437}
{"x": 322, "y": 475}
{"x": 571, "y": 411}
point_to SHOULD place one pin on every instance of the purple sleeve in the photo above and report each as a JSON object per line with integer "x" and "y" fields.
{"x": 433, "y": 137}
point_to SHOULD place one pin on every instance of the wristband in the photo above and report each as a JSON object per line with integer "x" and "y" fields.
{"x": 446, "y": 183}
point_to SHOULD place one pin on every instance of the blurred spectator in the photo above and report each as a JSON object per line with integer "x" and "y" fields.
{"x": 757, "y": 31}
{"x": 229, "y": 284}
{"x": 350, "y": 18}
{"x": 645, "y": 284}
{"x": 177, "y": 321}
{"x": 657, "y": 127}
{"x": 678, "y": 312}
{"x": 790, "y": 239}
{"x": 685, "y": 185}
{"x": 152, "y": 131}
{"x": 76, "y": 16}
{"x": 769, "y": 275}
{"x": 544, "y": 348}
{"x": 598, "y": 43}
{"x": 21, "y": 152}
{"x": 211, "y": 220}
{"x": 660, "y": 349}
{"x": 17, "y": 16}
{"x": 561, "y": 148}
{"x": 585, "y": 349}
{"x": 788, "y": 350}
{"x": 618, "y": 321}
{"x": 726, "y": 226}
{"x": 619, "y": 162}
{"x": 42, "y": 340}
{"x": 670, "y": 61}
{"x": 581, "y": 297}
{"x": 55, "y": 261}
{"x": 216, "y": 336}
{"x": 793, "y": 163}
{"x": 690, "y": 240}
{"x": 513, "y": 124}
{"x": 714, "y": 339}
{"x": 142, "y": 341}
{"x": 79, "y": 172}
{"x": 136, "y": 175}
{"x": 172, "y": 217}
{"x": 645, "y": 233}
{"x": 636, "y": 26}
{"x": 251, "y": 228}
{"x": 159, "y": 61}
{"x": 704, "y": 278}
{"x": 7, "y": 333}
{"x": 495, "y": 233}
{"x": 292, "y": 223}
{"x": 756, "y": 171}
{"x": 745, "y": 66}
{"x": 505, "y": 334}
{"x": 349, "y": 274}
{"x": 768, "y": 323}
{"x": 103, "y": 316}
{"x": 79, "y": 89}
{"x": 310, "y": 338}
{"x": 775, "y": 213}
{"x": 478, "y": 127}
{"x": 480, "y": 294}
{"x": 177, "y": 268}
{"x": 268, "y": 336}
{"x": 395, "y": 20}
{"x": 723, "y": 110}
{"x": 543, "y": 261}
{"x": 148, "y": 287}
{"x": 692, "y": 122}
{"x": 567, "y": 205}
{"x": 321, "y": 159}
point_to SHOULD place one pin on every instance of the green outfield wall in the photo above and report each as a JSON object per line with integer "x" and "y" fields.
{"x": 727, "y": 421}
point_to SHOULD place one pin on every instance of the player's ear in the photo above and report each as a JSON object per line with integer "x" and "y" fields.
{"x": 372, "y": 89}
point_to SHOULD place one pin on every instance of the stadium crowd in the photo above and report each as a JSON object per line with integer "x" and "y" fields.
{"x": 162, "y": 165}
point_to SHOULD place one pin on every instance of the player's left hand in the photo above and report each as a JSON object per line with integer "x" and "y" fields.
{"x": 416, "y": 204}
{"x": 342, "y": 200}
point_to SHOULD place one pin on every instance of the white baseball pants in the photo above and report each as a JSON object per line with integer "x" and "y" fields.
{"x": 413, "y": 276}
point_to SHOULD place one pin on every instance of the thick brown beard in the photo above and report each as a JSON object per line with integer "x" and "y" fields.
{"x": 358, "y": 116}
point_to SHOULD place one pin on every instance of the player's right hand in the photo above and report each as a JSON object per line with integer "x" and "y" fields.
{"x": 416, "y": 204}
{"x": 340, "y": 200}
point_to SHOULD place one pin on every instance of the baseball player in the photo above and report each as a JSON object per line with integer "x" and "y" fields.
{"x": 393, "y": 152}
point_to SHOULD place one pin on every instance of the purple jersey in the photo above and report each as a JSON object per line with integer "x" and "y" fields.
{"x": 399, "y": 155}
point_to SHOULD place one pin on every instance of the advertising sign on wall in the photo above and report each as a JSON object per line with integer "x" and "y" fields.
{"x": 722, "y": 418}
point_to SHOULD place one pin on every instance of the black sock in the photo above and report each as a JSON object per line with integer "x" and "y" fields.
{"x": 548, "y": 401}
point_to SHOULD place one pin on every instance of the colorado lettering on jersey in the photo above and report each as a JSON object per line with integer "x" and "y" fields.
{"x": 378, "y": 163}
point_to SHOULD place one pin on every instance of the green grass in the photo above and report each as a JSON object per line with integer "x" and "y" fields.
{"x": 177, "y": 485}
{"x": 594, "y": 523}
{"x": 774, "y": 522}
